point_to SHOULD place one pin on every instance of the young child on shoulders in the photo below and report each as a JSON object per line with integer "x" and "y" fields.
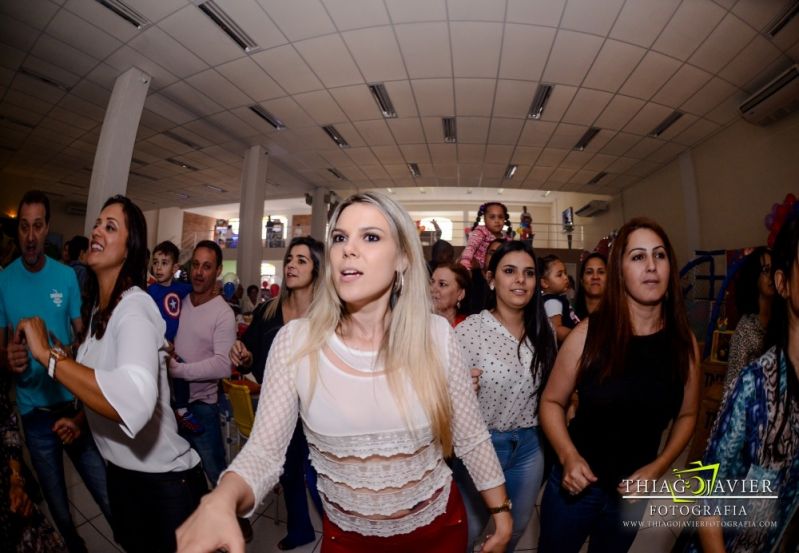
{"x": 496, "y": 218}
{"x": 168, "y": 294}
{"x": 554, "y": 284}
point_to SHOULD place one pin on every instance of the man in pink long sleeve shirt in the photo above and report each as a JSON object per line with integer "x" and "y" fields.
{"x": 205, "y": 335}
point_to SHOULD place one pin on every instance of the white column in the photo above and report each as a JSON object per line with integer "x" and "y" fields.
{"x": 251, "y": 214}
{"x": 319, "y": 214}
{"x": 117, "y": 137}
{"x": 170, "y": 227}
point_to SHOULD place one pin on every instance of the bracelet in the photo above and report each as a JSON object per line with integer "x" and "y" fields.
{"x": 504, "y": 508}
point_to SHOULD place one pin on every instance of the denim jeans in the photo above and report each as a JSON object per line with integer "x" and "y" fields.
{"x": 522, "y": 460}
{"x": 566, "y": 520}
{"x": 297, "y": 471}
{"x": 47, "y": 457}
{"x": 149, "y": 507}
{"x": 209, "y": 444}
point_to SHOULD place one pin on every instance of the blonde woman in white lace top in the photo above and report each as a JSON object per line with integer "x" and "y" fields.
{"x": 383, "y": 395}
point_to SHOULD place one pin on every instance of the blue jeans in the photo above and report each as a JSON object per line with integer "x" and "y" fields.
{"x": 566, "y": 520}
{"x": 47, "y": 457}
{"x": 297, "y": 471}
{"x": 209, "y": 444}
{"x": 522, "y": 460}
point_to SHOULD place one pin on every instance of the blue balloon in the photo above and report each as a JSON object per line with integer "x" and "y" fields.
{"x": 228, "y": 290}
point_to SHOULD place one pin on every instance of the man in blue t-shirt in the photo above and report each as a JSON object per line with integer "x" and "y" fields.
{"x": 35, "y": 285}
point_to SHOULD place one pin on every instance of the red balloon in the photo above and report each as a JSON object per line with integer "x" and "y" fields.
{"x": 790, "y": 199}
{"x": 782, "y": 211}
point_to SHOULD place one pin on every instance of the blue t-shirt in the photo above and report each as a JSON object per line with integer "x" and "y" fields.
{"x": 169, "y": 299}
{"x": 52, "y": 294}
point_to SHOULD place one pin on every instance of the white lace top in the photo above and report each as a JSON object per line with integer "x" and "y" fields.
{"x": 376, "y": 477}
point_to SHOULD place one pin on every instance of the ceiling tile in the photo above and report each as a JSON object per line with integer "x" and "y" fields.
{"x": 551, "y": 157}
{"x": 232, "y": 125}
{"x": 434, "y": 97}
{"x": 539, "y": 174}
{"x": 476, "y": 10}
{"x": 193, "y": 100}
{"x": 377, "y": 54}
{"x": 697, "y": 132}
{"x": 425, "y": 49}
{"x": 474, "y": 96}
{"x": 684, "y": 84}
{"x": 354, "y": 14}
{"x": 406, "y": 130}
{"x": 600, "y": 162}
{"x": 17, "y": 34}
{"x": 409, "y": 11}
{"x": 576, "y": 159}
{"x": 536, "y": 133}
{"x": 688, "y": 28}
{"x": 50, "y": 71}
{"x": 289, "y": 112}
{"x": 84, "y": 36}
{"x": 472, "y": 130}
{"x": 505, "y": 131}
{"x": 613, "y": 65}
{"x": 415, "y": 153}
{"x": 388, "y": 154}
{"x": 444, "y": 154}
{"x": 620, "y": 143}
{"x": 641, "y": 21}
{"x": 541, "y": 12}
{"x": 35, "y": 14}
{"x": 433, "y": 129}
{"x": 11, "y": 57}
{"x": 286, "y": 67}
{"x": 680, "y": 125}
{"x": 374, "y": 172}
{"x": 357, "y": 103}
{"x": 253, "y": 21}
{"x": 157, "y": 45}
{"x": 362, "y": 156}
{"x": 559, "y": 101}
{"x": 759, "y": 13}
{"x": 321, "y": 107}
{"x": 524, "y": 51}
{"x": 653, "y": 71}
{"x": 571, "y": 57}
{"x": 667, "y": 153}
{"x": 374, "y": 132}
{"x": 475, "y": 48}
{"x": 498, "y": 154}
{"x": 163, "y": 106}
{"x": 726, "y": 111}
{"x": 566, "y": 136}
{"x": 723, "y": 44}
{"x": 299, "y": 19}
{"x": 200, "y": 35}
{"x": 750, "y": 62}
{"x": 645, "y": 147}
{"x": 251, "y": 79}
{"x": 590, "y": 16}
{"x": 619, "y": 112}
{"x": 513, "y": 98}
{"x": 94, "y": 13}
{"x": 622, "y": 165}
{"x": 526, "y": 154}
{"x": 219, "y": 89}
{"x": 647, "y": 119}
{"x": 329, "y": 59}
{"x": 709, "y": 96}
{"x": 63, "y": 55}
{"x": 586, "y": 106}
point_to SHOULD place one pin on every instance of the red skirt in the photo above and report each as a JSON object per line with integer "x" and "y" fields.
{"x": 446, "y": 534}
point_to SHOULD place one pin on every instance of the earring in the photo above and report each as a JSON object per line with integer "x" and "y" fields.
{"x": 458, "y": 304}
{"x": 490, "y": 285}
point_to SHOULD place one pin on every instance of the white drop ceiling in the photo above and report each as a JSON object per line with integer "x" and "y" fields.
{"x": 620, "y": 65}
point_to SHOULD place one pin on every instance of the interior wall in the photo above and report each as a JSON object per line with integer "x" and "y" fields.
{"x": 739, "y": 173}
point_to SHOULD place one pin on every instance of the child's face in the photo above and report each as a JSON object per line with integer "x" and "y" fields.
{"x": 163, "y": 268}
{"x": 494, "y": 218}
{"x": 556, "y": 280}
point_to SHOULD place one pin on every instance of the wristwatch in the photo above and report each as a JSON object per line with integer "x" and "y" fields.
{"x": 504, "y": 508}
{"x": 56, "y": 354}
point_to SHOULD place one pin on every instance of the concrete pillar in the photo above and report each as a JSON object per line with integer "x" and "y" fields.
{"x": 319, "y": 214}
{"x": 251, "y": 215}
{"x": 117, "y": 136}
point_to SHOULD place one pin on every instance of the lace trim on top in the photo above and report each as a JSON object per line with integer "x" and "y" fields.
{"x": 377, "y": 474}
{"x": 393, "y": 526}
{"x": 388, "y": 444}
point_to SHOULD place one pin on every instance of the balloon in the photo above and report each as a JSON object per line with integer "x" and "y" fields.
{"x": 275, "y": 290}
{"x": 230, "y": 277}
{"x": 769, "y": 221}
{"x": 228, "y": 290}
{"x": 790, "y": 199}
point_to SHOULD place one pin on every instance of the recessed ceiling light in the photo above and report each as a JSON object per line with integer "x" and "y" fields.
{"x": 335, "y": 172}
{"x": 335, "y": 136}
{"x": 422, "y": 190}
{"x": 267, "y": 116}
{"x": 42, "y": 78}
{"x": 414, "y": 169}
{"x": 542, "y": 94}
{"x": 501, "y": 191}
{"x": 587, "y": 137}
{"x": 782, "y": 20}
{"x": 510, "y": 170}
{"x": 666, "y": 123}
{"x": 181, "y": 163}
{"x": 215, "y": 188}
{"x": 390, "y": 190}
{"x": 177, "y": 138}
{"x": 450, "y": 130}
{"x": 126, "y": 12}
{"x": 228, "y": 26}
{"x": 598, "y": 177}
{"x": 380, "y": 94}
{"x": 547, "y": 193}
{"x": 182, "y": 195}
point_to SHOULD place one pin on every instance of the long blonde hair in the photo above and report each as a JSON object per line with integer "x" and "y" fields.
{"x": 407, "y": 350}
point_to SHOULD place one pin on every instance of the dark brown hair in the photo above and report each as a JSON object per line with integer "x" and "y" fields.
{"x": 610, "y": 327}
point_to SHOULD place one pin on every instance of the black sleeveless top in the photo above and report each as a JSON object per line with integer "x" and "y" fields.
{"x": 619, "y": 422}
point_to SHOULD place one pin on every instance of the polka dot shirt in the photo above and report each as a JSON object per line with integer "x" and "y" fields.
{"x": 507, "y": 389}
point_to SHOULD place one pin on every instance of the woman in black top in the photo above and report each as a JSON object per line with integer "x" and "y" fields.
{"x": 592, "y": 279}
{"x": 301, "y": 269}
{"x": 634, "y": 364}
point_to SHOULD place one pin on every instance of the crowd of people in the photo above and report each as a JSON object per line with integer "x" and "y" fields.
{"x": 415, "y": 400}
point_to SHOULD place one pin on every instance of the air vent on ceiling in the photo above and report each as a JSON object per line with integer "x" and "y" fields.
{"x": 775, "y": 100}
{"x": 782, "y": 20}
{"x": 181, "y": 163}
{"x": 598, "y": 177}
{"x": 587, "y": 137}
{"x": 336, "y": 173}
{"x": 335, "y": 136}
{"x": 672, "y": 118}
{"x": 542, "y": 94}
{"x": 126, "y": 12}
{"x": 592, "y": 208}
{"x": 414, "y": 169}
{"x": 182, "y": 140}
{"x": 228, "y": 26}
{"x": 267, "y": 116}
{"x": 43, "y": 78}
{"x": 450, "y": 130}
{"x": 380, "y": 94}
